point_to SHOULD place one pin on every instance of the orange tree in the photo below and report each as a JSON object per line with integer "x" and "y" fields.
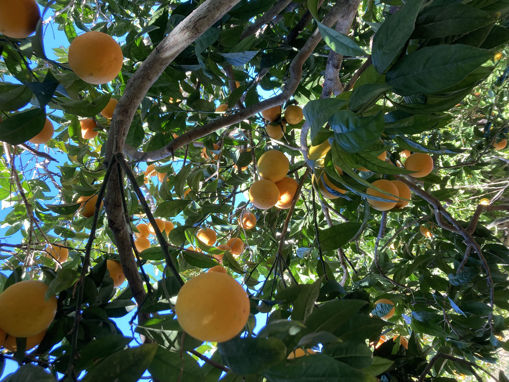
{"x": 174, "y": 132}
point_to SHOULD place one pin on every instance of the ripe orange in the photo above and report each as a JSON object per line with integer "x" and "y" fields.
{"x": 88, "y": 203}
{"x": 44, "y": 135}
{"x": 299, "y": 352}
{"x": 18, "y": 18}
{"x": 264, "y": 194}
{"x": 273, "y": 165}
{"x": 24, "y": 309}
{"x": 402, "y": 341}
{"x": 168, "y": 227}
{"x": 319, "y": 151}
{"x": 484, "y": 202}
{"x": 276, "y": 130}
{"x": 271, "y": 114}
{"x": 404, "y": 154}
{"x": 247, "y": 220}
{"x": 88, "y": 128}
{"x": 95, "y": 57}
{"x": 500, "y": 145}
{"x": 161, "y": 224}
{"x": 386, "y": 301}
{"x": 421, "y": 163}
{"x": 403, "y": 193}
{"x": 222, "y": 108}
{"x": 58, "y": 252}
{"x": 217, "y": 268}
{"x": 31, "y": 342}
{"x": 142, "y": 243}
{"x": 116, "y": 272}
{"x": 293, "y": 114}
{"x": 387, "y": 186}
{"x": 108, "y": 110}
{"x": 142, "y": 230}
{"x": 212, "y": 307}
{"x": 150, "y": 170}
{"x": 287, "y": 189}
{"x": 207, "y": 236}
{"x": 236, "y": 246}
{"x": 425, "y": 231}
{"x": 328, "y": 189}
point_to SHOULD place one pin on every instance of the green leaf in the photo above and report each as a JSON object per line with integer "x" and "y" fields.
{"x": 230, "y": 262}
{"x": 22, "y": 126}
{"x": 393, "y": 34}
{"x": 239, "y": 58}
{"x": 13, "y": 97}
{"x": 100, "y": 348}
{"x": 340, "y": 43}
{"x": 251, "y": 355}
{"x": 125, "y": 365}
{"x": 450, "y": 19}
{"x": 30, "y": 373}
{"x": 318, "y": 112}
{"x": 171, "y": 208}
{"x": 435, "y": 68}
{"x": 379, "y": 365}
{"x": 170, "y": 366}
{"x": 366, "y": 95}
{"x": 354, "y": 133}
{"x": 332, "y": 314}
{"x": 313, "y": 7}
{"x": 198, "y": 259}
{"x": 63, "y": 209}
{"x": 66, "y": 277}
{"x": 338, "y": 235}
{"x": 305, "y": 302}
{"x": 85, "y": 107}
{"x": 355, "y": 354}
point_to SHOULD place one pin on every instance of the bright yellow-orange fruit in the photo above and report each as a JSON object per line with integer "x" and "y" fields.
{"x": 293, "y": 114}
{"x": 247, "y": 220}
{"x": 387, "y": 186}
{"x": 271, "y": 114}
{"x": 330, "y": 190}
{"x": 116, "y": 272}
{"x": 484, "y": 202}
{"x": 58, "y": 252}
{"x": 386, "y": 301}
{"x": 273, "y": 165}
{"x": 168, "y": 227}
{"x": 18, "y": 18}
{"x": 222, "y": 108}
{"x": 142, "y": 243}
{"x": 319, "y": 151}
{"x": 87, "y": 205}
{"x": 276, "y": 130}
{"x": 44, "y": 135}
{"x": 31, "y": 342}
{"x": 287, "y": 189}
{"x": 500, "y": 145}
{"x": 264, "y": 194}
{"x": 150, "y": 170}
{"x": 421, "y": 163}
{"x": 142, "y": 230}
{"x": 161, "y": 224}
{"x": 217, "y": 268}
{"x": 207, "y": 236}
{"x": 497, "y": 56}
{"x": 95, "y": 57}
{"x": 300, "y": 352}
{"x": 88, "y": 128}
{"x": 212, "y": 307}
{"x": 236, "y": 246}
{"x": 425, "y": 231}
{"x": 161, "y": 176}
{"x": 403, "y": 193}
{"x": 24, "y": 309}
{"x": 404, "y": 154}
{"x": 108, "y": 110}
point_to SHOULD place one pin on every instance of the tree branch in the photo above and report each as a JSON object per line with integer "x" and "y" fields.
{"x": 266, "y": 18}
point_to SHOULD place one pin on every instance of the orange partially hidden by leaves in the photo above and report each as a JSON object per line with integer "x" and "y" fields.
{"x": 168, "y": 227}
{"x": 389, "y": 302}
{"x": 95, "y": 57}
{"x": 116, "y": 272}
{"x": 402, "y": 341}
{"x": 276, "y": 130}
{"x": 271, "y": 114}
{"x": 404, "y": 193}
{"x": 31, "y": 342}
{"x": 18, "y": 18}
{"x": 88, "y": 128}
{"x": 264, "y": 194}
{"x": 273, "y": 165}
{"x": 207, "y": 236}
{"x": 404, "y": 154}
{"x": 388, "y": 187}
{"x": 329, "y": 190}
{"x": 236, "y": 246}
{"x": 217, "y": 268}
{"x": 287, "y": 188}
{"x": 299, "y": 352}
{"x": 44, "y": 135}
{"x": 142, "y": 230}
{"x": 247, "y": 220}
{"x": 161, "y": 224}
{"x": 24, "y": 309}
{"x": 87, "y": 205}
{"x": 212, "y": 307}
{"x": 108, "y": 110}
{"x": 484, "y": 202}
{"x": 420, "y": 163}
{"x": 382, "y": 156}
{"x": 293, "y": 114}
{"x": 58, "y": 252}
{"x": 500, "y": 145}
{"x": 425, "y": 231}
{"x": 222, "y": 108}
{"x": 142, "y": 243}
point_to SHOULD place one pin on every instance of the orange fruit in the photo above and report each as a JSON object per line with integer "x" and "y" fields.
{"x": 95, "y": 57}
{"x": 58, "y": 252}
{"x": 212, "y": 307}
{"x": 150, "y": 170}
{"x": 264, "y": 194}
{"x": 404, "y": 154}
{"x": 161, "y": 176}
{"x": 18, "y": 18}
{"x": 108, "y": 110}
{"x": 500, "y": 145}
{"x": 387, "y": 186}
{"x": 88, "y": 203}
{"x": 236, "y": 246}
{"x": 247, "y": 220}
{"x": 222, "y": 108}
{"x": 328, "y": 189}
{"x": 142, "y": 243}
{"x": 299, "y": 352}
{"x": 287, "y": 189}
{"x": 142, "y": 230}
{"x": 319, "y": 151}
{"x": 161, "y": 224}
{"x": 31, "y": 342}
{"x": 3, "y": 336}
{"x": 88, "y": 128}
{"x": 272, "y": 113}
{"x": 44, "y": 135}
{"x": 207, "y": 236}
{"x": 273, "y": 165}
{"x": 217, "y": 268}
{"x": 293, "y": 114}
{"x": 24, "y": 309}
{"x": 116, "y": 272}
{"x": 386, "y": 301}
{"x": 276, "y": 130}
{"x": 484, "y": 202}
{"x": 420, "y": 163}
{"x": 168, "y": 227}
{"x": 425, "y": 232}
{"x": 403, "y": 193}
{"x": 402, "y": 341}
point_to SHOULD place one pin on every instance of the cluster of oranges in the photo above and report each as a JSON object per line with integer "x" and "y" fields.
{"x": 144, "y": 230}
{"x": 276, "y": 126}
{"x": 274, "y": 188}
{"x": 151, "y": 171}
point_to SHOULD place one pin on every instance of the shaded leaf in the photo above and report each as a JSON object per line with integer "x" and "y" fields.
{"x": 22, "y": 126}
{"x": 338, "y": 235}
{"x": 318, "y": 112}
{"x": 353, "y": 133}
{"x": 332, "y": 314}
{"x": 13, "y": 96}
{"x": 30, "y": 373}
{"x": 340, "y": 43}
{"x": 170, "y": 366}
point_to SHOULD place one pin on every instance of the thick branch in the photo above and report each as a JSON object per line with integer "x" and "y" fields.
{"x": 266, "y": 18}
